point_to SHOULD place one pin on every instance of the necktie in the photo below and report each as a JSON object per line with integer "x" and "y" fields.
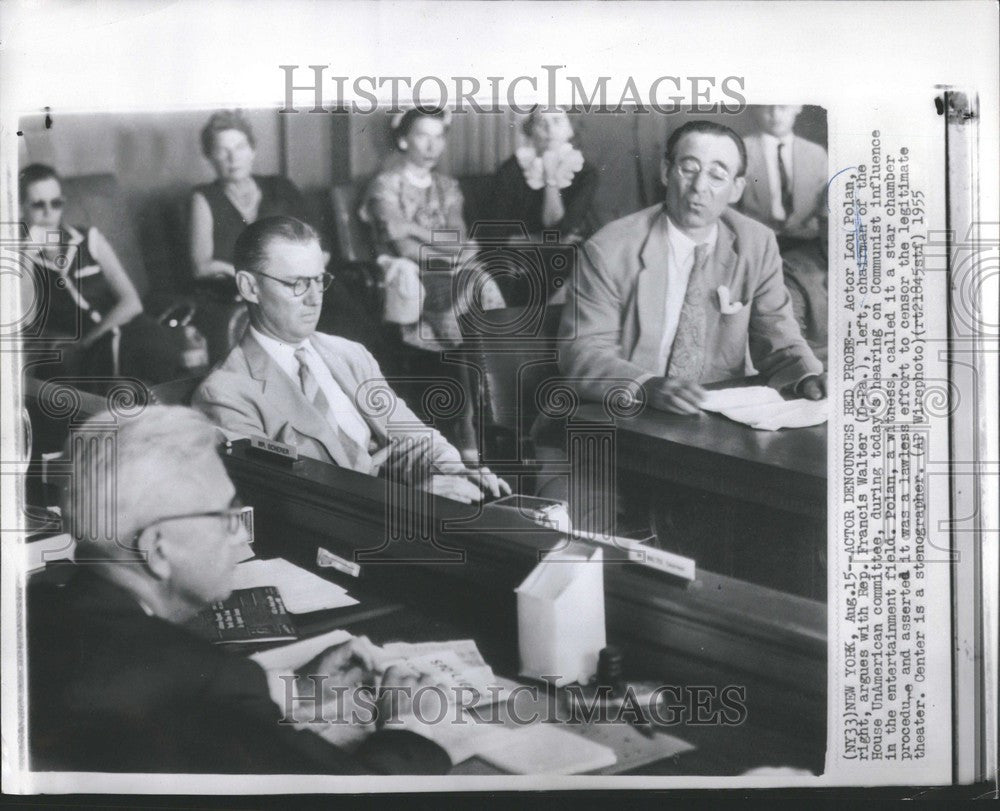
{"x": 314, "y": 394}
{"x": 786, "y": 185}
{"x": 687, "y": 355}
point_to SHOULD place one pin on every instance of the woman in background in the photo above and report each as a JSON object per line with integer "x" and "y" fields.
{"x": 405, "y": 204}
{"x": 220, "y": 210}
{"x": 546, "y": 185}
{"x": 92, "y": 303}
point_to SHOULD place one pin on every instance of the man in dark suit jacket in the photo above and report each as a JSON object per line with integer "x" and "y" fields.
{"x": 117, "y": 683}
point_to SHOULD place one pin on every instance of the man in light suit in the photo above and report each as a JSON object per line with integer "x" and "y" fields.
{"x": 324, "y": 394}
{"x": 786, "y": 176}
{"x": 673, "y": 296}
{"x": 666, "y": 300}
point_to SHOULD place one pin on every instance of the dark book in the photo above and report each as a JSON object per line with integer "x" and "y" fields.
{"x": 247, "y": 615}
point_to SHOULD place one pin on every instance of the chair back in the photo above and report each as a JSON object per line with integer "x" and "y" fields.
{"x": 514, "y": 372}
{"x": 354, "y": 238}
{"x": 97, "y": 200}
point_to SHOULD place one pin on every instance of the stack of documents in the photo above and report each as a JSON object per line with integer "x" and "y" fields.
{"x": 456, "y": 666}
{"x": 763, "y": 408}
{"x": 533, "y": 749}
{"x": 301, "y": 591}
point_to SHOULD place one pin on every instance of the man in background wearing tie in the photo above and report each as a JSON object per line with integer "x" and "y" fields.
{"x": 786, "y": 190}
{"x": 287, "y": 382}
{"x": 786, "y": 177}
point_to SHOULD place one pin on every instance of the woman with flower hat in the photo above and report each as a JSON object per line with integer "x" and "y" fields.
{"x": 546, "y": 185}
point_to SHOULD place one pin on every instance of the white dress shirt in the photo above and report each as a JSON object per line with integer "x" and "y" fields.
{"x": 770, "y": 144}
{"x": 342, "y": 413}
{"x": 680, "y": 261}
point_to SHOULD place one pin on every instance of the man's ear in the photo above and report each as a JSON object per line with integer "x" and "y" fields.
{"x": 152, "y": 546}
{"x": 664, "y": 170}
{"x": 402, "y": 144}
{"x": 247, "y": 285}
{"x": 738, "y": 187}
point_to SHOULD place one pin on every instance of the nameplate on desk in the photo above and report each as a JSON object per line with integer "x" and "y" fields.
{"x": 274, "y": 450}
{"x": 677, "y": 565}
{"x": 327, "y": 560}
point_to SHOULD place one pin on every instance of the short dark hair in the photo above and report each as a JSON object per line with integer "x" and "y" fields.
{"x": 250, "y": 251}
{"x": 33, "y": 173}
{"x": 410, "y": 117}
{"x": 220, "y": 122}
{"x": 708, "y": 128}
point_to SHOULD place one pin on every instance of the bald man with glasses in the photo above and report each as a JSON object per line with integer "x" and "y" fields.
{"x": 119, "y": 683}
{"x": 287, "y": 382}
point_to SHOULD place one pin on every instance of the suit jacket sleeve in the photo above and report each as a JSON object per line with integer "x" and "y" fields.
{"x": 225, "y": 403}
{"x": 411, "y": 460}
{"x": 591, "y": 354}
{"x": 777, "y": 348}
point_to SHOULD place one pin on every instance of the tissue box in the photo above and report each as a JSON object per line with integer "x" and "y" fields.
{"x": 560, "y": 615}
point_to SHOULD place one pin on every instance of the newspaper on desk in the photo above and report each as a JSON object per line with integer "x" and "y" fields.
{"x": 456, "y": 667}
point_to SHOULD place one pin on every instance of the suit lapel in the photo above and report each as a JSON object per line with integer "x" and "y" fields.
{"x": 288, "y": 402}
{"x": 651, "y": 293}
{"x": 723, "y": 261}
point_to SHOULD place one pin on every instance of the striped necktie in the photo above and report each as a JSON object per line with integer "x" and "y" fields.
{"x": 687, "y": 355}
{"x": 314, "y": 394}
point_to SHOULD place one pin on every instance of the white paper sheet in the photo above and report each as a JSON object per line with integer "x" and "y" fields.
{"x": 763, "y": 408}
{"x": 547, "y": 749}
{"x": 302, "y": 591}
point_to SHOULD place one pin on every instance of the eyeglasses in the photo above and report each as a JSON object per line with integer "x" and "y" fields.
{"x": 233, "y": 516}
{"x": 689, "y": 169}
{"x": 55, "y": 204}
{"x": 301, "y": 284}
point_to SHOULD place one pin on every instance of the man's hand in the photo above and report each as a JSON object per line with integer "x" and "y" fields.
{"x": 347, "y": 664}
{"x": 455, "y": 487}
{"x": 812, "y": 387}
{"x": 395, "y": 701}
{"x": 475, "y": 480}
{"x": 488, "y": 481}
{"x": 676, "y": 396}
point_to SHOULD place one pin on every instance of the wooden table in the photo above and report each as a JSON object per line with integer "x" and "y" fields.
{"x": 745, "y": 503}
{"x": 716, "y": 630}
{"x": 783, "y": 469}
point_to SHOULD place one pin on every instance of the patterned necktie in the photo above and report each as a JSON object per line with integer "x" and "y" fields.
{"x": 786, "y": 186}
{"x": 314, "y": 394}
{"x": 687, "y": 355}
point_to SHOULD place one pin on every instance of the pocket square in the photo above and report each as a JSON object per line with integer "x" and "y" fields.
{"x": 725, "y": 305}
